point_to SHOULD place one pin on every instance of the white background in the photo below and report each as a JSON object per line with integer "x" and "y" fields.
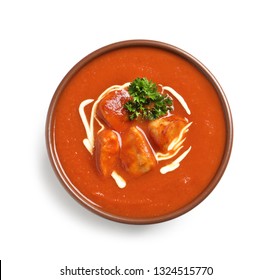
{"x": 43, "y": 229}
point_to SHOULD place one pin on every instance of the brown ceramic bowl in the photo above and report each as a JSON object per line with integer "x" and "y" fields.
{"x": 57, "y": 146}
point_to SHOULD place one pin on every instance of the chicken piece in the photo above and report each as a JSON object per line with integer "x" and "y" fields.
{"x": 136, "y": 153}
{"x": 107, "y": 151}
{"x": 164, "y": 130}
{"x": 111, "y": 111}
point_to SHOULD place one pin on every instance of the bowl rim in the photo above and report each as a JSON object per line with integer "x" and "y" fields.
{"x": 72, "y": 190}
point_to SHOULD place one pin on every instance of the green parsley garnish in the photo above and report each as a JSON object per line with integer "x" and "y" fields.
{"x": 146, "y": 102}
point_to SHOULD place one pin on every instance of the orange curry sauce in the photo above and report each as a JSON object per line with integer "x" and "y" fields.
{"x": 151, "y": 194}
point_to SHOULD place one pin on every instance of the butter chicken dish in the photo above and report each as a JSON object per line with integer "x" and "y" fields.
{"x": 139, "y": 132}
